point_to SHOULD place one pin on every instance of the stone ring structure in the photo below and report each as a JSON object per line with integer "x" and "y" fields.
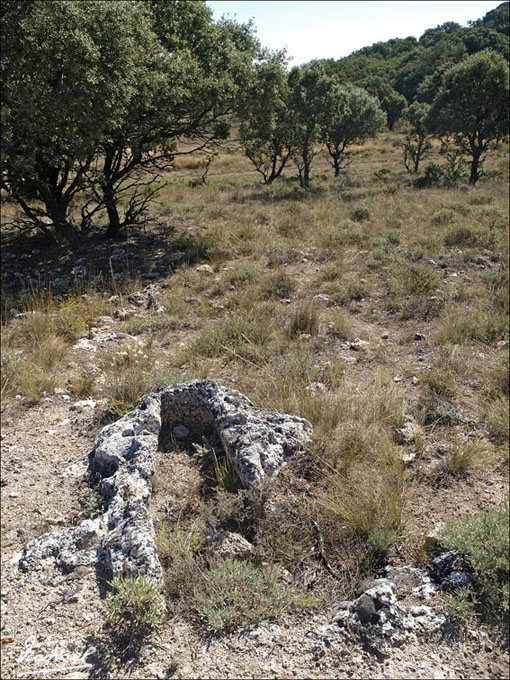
{"x": 257, "y": 440}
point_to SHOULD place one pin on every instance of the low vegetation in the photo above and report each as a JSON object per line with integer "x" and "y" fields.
{"x": 366, "y": 296}
{"x": 483, "y": 542}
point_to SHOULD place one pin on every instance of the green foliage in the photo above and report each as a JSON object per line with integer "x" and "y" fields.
{"x": 417, "y": 142}
{"x": 483, "y": 542}
{"x": 128, "y": 375}
{"x": 413, "y": 279}
{"x": 311, "y": 97}
{"x": 440, "y": 381}
{"x": 304, "y": 320}
{"x": 235, "y": 336}
{"x": 238, "y": 594}
{"x": 135, "y": 601}
{"x": 472, "y": 105}
{"x": 393, "y": 104}
{"x": 468, "y": 236}
{"x": 97, "y": 92}
{"x": 265, "y": 130}
{"x": 278, "y": 285}
{"x": 70, "y": 73}
{"x": 460, "y": 606}
{"x": 353, "y": 117}
{"x": 463, "y": 454}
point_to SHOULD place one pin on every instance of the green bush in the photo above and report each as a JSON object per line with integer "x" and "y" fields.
{"x": 136, "y": 601}
{"x": 237, "y": 336}
{"x": 483, "y": 542}
{"x": 468, "y": 236}
{"x": 413, "y": 279}
{"x": 237, "y": 594}
{"x": 361, "y": 214}
{"x": 278, "y": 285}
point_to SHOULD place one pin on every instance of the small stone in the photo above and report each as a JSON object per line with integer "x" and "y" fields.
{"x": 80, "y": 405}
{"x": 415, "y": 380}
{"x": 431, "y": 542}
{"x": 385, "y": 335}
{"x": 315, "y": 387}
{"x": 396, "y": 379}
{"x": 358, "y": 345}
{"x": 123, "y": 314}
{"x": 228, "y": 544}
{"x": 181, "y": 432}
{"x": 206, "y": 268}
{"x": 14, "y": 494}
{"x": 365, "y": 609}
{"x": 322, "y": 297}
{"x": 408, "y": 433}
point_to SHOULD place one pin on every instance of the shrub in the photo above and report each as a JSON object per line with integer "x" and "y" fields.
{"x": 237, "y": 594}
{"x": 278, "y": 285}
{"x": 468, "y": 236}
{"x": 361, "y": 214}
{"x": 460, "y": 606}
{"x": 413, "y": 279}
{"x": 483, "y": 542}
{"x": 353, "y": 291}
{"x": 432, "y": 177}
{"x": 443, "y": 216}
{"x": 370, "y": 504}
{"x": 233, "y": 336}
{"x": 473, "y": 323}
{"x": 191, "y": 248}
{"x": 10, "y": 365}
{"x": 136, "y": 601}
{"x": 440, "y": 381}
{"x": 82, "y": 384}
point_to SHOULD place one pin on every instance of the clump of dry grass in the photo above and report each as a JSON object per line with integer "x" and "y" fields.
{"x": 369, "y": 504}
{"x": 464, "y": 453}
{"x": 128, "y": 374}
{"x": 304, "y": 320}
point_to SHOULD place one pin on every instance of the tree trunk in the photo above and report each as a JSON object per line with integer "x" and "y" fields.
{"x": 475, "y": 165}
{"x": 306, "y": 172}
{"x": 56, "y": 209}
{"x": 114, "y": 225}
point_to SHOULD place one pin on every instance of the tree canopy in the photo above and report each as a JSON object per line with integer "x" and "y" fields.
{"x": 96, "y": 92}
{"x": 472, "y": 105}
{"x": 353, "y": 117}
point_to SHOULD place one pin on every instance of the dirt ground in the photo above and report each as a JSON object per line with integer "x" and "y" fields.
{"x": 55, "y": 626}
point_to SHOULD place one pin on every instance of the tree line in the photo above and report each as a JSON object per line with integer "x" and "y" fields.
{"x": 100, "y": 97}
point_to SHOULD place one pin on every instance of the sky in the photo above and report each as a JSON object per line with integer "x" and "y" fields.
{"x": 316, "y": 29}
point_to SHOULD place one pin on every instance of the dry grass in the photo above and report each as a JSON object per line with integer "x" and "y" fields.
{"x": 384, "y": 254}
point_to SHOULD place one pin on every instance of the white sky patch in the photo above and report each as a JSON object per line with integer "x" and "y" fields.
{"x": 315, "y": 29}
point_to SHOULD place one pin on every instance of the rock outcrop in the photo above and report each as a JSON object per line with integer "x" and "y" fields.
{"x": 379, "y": 621}
{"x": 258, "y": 441}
